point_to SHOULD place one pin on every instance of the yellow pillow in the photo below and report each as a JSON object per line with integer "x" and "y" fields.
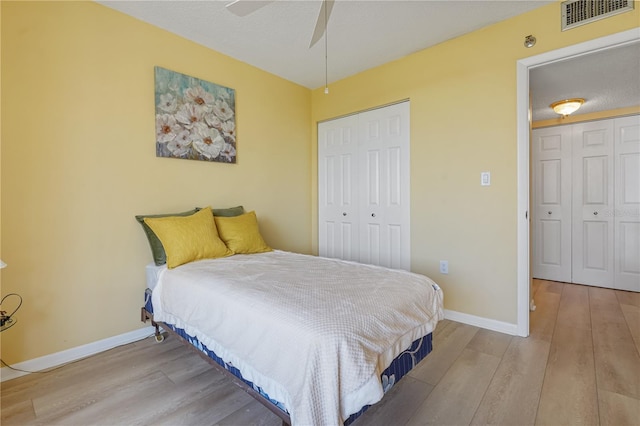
{"x": 241, "y": 233}
{"x": 188, "y": 238}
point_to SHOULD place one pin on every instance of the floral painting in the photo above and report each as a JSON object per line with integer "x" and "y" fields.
{"x": 195, "y": 119}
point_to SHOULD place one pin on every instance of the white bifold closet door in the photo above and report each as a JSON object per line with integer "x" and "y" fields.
{"x": 363, "y": 187}
{"x": 551, "y": 213}
{"x": 593, "y": 181}
{"x": 627, "y": 203}
{"x": 586, "y": 214}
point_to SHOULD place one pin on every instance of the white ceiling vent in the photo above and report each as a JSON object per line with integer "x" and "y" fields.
{"x": 580, "y": 12}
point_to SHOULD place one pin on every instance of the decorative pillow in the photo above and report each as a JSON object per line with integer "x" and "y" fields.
{"x": 241, "y": 233}
{"x": 229, "y": 212}
{"x": 159, "y": 256}
{"x": 189, "y": 238}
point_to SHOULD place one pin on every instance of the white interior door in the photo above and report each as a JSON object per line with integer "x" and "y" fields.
{"x": 384, "y": 176}
{"x": 627, "y": 203}
{"x": 551, "y": 213}
{"x": 592, "y": 248}
{"x": 337, "y": 188}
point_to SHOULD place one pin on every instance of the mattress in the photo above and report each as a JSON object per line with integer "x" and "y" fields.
{"x": 153, "y": 274}
{"x": 275, "y": 314}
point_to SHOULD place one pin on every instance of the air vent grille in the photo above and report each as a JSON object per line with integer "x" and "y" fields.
{"x": 580, "y": 12}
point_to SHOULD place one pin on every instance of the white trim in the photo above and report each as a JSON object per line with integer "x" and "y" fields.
{"x": 523, "y": 123}
{"x": 73, "y": 354}
{"x": 489, "y": 324}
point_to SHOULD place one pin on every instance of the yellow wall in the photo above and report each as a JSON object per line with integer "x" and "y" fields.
{"x": 463, "y": 122}
{"x": 78, "y": 162}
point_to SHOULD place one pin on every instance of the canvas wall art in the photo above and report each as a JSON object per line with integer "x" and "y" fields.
{"x": 195, "y": 119}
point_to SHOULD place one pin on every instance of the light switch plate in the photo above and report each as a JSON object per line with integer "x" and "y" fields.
{"x": 485, "y": 178}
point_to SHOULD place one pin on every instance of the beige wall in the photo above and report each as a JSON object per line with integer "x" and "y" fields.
{"x": 463, "y": 122}
{"x": 78, "y": 162}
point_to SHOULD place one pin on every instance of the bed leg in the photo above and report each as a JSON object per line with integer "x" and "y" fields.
{"x": 159, "y": 336}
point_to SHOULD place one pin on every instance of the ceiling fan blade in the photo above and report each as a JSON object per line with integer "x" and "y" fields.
{"x": 245, "y": 7}
{"x": 321, "y": 23}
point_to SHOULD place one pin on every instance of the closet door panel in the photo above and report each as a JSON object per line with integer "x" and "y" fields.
{"x": 551, "y": 213}
{"x": 593, "y": 181}
{"x": 627, "y": 203}
{"x": 338, "y": 231}
{"x": 384, "y": 138}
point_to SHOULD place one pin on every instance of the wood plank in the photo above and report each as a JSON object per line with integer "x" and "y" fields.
{"x": 618, "y": 410}
{"x": 514, "y": 393}
{"x": 254, "y": 413}
{"x": 456, "y": 397}
{"x": 17, "y": 413}
{"x": 568, "y": 394}
{"x": 398, "y": 405}
{"x": 616, "y": 356}
{"x": 574, "y": 307}
{"x": 628, "y": 298}
{"x": 490, "y": 342}
{"x": 542, "y": 321}
{"x": 447, "y": 346}
{"x": 632, "y": 316}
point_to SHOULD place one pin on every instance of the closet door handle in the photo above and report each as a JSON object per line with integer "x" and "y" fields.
{"x": 344, "y": 213}
{"x": 373, "y": 215}
{"x": 595, "y": 213}
{"x": 549, "y": 212}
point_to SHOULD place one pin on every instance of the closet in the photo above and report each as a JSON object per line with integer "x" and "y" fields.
{"x": 363, "y": 187}
{"x": 586, "y": 203}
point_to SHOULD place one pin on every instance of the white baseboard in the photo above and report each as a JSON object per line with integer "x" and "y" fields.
{"x": 489, "y": 324}
{"x": 73, "y": 354}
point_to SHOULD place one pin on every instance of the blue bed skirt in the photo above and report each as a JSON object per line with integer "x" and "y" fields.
{"x": 400, "y": 366}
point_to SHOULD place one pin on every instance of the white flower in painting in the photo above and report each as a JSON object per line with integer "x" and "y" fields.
{"x": 213, "y": 121}
{"x": 168, "y": 103}
{"x": 198, "y": 96}
{"x": 166, "y": 128}
{"x": 189, "y": 115}
{"x": 179, "y": 146}
{"x": 228, "y": 152}
{"x": 229, "y": 129}
{"x": 223, "y": 94}
{"x": 222, "y": 110}
{"x": 207, "y": 141}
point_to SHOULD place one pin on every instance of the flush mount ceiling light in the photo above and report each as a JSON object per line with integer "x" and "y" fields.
{"x": 568, "y": 106}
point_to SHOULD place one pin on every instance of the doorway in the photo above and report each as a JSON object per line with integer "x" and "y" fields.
{"x": 523, "y": 156}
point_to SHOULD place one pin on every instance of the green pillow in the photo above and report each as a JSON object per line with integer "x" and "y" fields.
{"x": 230, "y": 212}
{"x": 157, "y": 250}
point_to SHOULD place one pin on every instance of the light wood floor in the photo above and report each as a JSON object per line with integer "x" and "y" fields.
{"x": 581, "y": 365}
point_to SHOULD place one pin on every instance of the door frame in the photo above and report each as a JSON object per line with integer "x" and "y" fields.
{"x": 523, "y": 155}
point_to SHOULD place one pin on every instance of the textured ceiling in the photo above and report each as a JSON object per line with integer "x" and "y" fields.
{"x": 365, "y": 34}
{"x": 361, "y": 34}
{"x": 606, "y": 79}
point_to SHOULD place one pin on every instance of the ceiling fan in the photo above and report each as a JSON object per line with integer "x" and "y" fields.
{"x": 245, "y": 7}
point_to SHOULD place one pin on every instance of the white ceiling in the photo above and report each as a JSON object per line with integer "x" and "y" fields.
{"x": 361, "y": 34}
{"x": 365, "y": 34}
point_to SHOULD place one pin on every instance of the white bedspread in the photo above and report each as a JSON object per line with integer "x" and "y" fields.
{"x": 313, "y": 333}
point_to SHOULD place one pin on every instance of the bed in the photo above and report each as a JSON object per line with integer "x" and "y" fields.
{"x": 316, "y": 340}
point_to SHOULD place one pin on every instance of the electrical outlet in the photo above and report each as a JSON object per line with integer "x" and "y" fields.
{"x": 444, "y": 266}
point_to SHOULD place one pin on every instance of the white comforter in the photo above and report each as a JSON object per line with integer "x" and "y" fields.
{"x": 313, "y": 333}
